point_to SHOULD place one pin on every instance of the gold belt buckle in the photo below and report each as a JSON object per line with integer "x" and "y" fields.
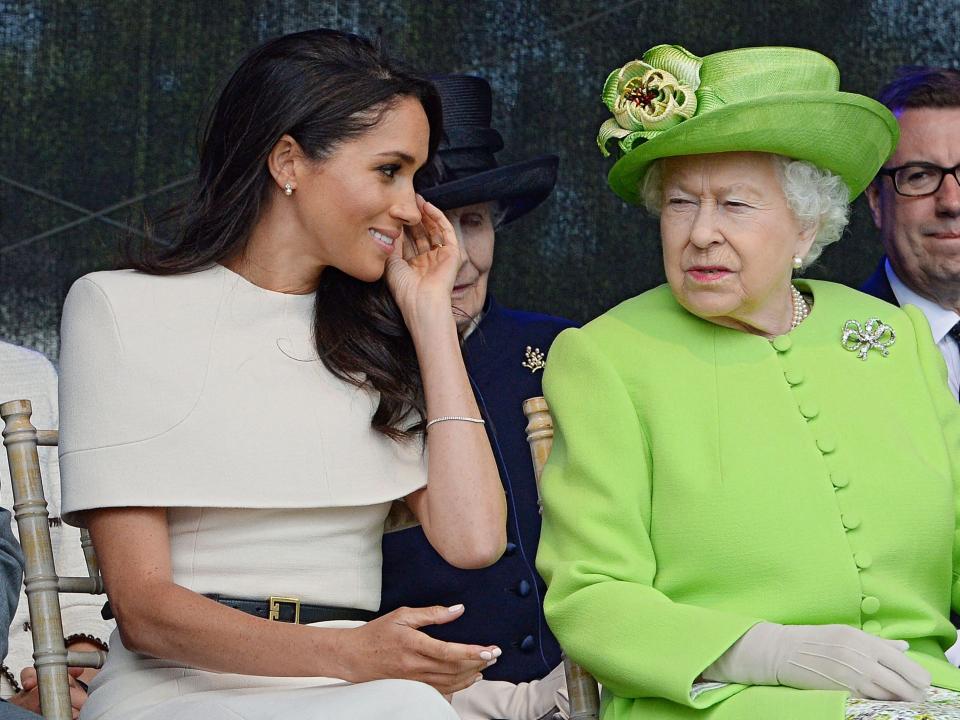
{"x": 276, "y": 602}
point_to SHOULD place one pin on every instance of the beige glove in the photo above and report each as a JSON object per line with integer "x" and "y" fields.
{"x": 488, "y": 699}
{"x": 822, "y": 657}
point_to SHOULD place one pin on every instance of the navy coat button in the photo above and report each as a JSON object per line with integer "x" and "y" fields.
{"x": 528, "y": 643}
{"x": 523, "y": 588}
{"x": 510, "y": 549}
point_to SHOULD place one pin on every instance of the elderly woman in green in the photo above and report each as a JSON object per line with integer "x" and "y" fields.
{"x": 750, "y": 509}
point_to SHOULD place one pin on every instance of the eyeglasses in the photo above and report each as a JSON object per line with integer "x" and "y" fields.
{"x": 919, "y": 179}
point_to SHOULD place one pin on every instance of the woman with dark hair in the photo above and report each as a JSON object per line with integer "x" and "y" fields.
{"x": 239, "y": 410}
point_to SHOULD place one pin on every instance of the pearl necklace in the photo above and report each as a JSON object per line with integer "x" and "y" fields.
{"x": 800, "y": 308}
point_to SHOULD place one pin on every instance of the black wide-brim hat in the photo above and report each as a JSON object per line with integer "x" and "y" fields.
{"x": 465, "y": 171}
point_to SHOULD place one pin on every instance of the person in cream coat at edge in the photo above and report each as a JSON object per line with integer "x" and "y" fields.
{"x": 750, "y": 506}
{"x": 238, "y": 413}
{"x": 27, "y": 374}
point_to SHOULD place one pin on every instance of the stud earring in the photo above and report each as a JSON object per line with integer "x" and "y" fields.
{"x": 797, "y": 262}
{"x": 288, "y": 189}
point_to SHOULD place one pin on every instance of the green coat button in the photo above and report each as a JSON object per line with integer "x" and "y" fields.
{"x": 782, "y": 343}
{"x": 872, "y": 627}
{"x": 850, "y": 520}
{"x": 826, "y": 444}
{"x": 869, "y": 605}
{"x": 839, "y": 480}
{"x": 794, "y": 377}
{"x": 809, "y": 409}
{"x": 863, "y": 560}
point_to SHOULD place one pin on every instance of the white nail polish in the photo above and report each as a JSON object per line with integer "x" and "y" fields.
{"x": 497, "y": 652}
{"x": 486, "y": 655}
{"x": 455, "y": 608}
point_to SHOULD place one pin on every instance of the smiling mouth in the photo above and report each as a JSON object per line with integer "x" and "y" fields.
{"x": 380, "y": 237}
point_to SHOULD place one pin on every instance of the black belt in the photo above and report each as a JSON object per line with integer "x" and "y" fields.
{"x": 291, "y": 610}
{"x": 281, "y": 609}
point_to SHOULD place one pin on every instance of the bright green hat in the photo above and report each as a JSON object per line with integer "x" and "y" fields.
{"x": 768, "y": 99}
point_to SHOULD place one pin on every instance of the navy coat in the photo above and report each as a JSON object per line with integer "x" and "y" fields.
{"x": 504, "y": 603}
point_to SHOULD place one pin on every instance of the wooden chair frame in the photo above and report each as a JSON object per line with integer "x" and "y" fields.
{"x": 50, "y": 655}
{"x": 582, "y": 688}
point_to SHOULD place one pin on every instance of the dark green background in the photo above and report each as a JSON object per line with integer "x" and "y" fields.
{"x": 99, "y": 103}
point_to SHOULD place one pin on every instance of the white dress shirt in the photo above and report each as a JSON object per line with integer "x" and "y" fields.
{"x": 941, "y": 320}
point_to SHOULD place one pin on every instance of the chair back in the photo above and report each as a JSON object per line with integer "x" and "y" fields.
{"x": 42, "y": 584}
{"x": 582, "y": 688}
{"x": 399, "y": 518}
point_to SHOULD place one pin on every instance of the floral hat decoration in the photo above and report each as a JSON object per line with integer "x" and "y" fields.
{"x": 767, "y": 99}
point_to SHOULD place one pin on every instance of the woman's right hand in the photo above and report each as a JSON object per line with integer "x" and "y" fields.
{"x": 392, "y": 646}
{"x": 822, "y": 657}
{"x": 421, "y": 273}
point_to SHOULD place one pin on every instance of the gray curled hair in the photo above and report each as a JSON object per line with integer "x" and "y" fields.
{"x": 816, "y": 197}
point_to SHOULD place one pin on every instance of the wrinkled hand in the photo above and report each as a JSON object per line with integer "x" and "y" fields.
{"x": 521, "y": 701}
{"x": 822, "y": 657}
{"x": 29, "y": 697}
{"x": 392, "y": 646}
{"x": 421, "y": 277}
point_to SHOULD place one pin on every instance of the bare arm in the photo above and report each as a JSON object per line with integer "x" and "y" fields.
{"x": 463, "y": 508}
{"x": 157, "y": 617}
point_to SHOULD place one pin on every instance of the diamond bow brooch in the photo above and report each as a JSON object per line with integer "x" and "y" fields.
{"x": 872, "y": 335}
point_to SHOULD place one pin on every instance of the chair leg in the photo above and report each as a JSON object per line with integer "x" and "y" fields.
{"x": 582, "y": 691}
{"x": 40, "y": 578}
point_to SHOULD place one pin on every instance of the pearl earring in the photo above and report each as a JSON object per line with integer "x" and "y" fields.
{"x": 797, "y": 262}
{"x": 288, "y": 189}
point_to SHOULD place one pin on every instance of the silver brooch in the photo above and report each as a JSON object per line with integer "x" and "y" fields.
{"x": 871, "y": 335}
{"x": 534, "y": 359}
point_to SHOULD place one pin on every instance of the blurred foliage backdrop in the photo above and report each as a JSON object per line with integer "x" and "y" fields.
{"x": 99, "y": 108}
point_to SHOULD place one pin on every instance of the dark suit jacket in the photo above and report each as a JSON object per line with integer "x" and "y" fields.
{"x": 504, "y": 603}
{"x": 878, "y": 284}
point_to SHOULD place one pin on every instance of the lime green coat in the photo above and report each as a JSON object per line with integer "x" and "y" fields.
{"x": 703, "y": 479}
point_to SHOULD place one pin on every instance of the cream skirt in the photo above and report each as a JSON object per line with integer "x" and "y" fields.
{"x": 134, "y": 687}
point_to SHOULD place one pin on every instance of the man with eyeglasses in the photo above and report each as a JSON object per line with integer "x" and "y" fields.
{"x": 915, "y": 203}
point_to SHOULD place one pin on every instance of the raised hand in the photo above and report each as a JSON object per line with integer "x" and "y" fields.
{"x": 392, "y": 646}
{"x": 421, "y": 278}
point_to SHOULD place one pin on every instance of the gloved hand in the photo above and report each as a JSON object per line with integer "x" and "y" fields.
{"x": 522, "y": 701}
{"x": 822, "y": 657}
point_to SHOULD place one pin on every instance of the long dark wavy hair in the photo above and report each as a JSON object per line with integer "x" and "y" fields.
{"x": 321, "y": 87}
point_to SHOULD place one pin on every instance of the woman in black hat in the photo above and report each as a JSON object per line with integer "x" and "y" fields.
{"x": 504, "y": 351}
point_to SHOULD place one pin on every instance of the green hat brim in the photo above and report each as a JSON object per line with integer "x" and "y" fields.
{"x": 850, "y": 135}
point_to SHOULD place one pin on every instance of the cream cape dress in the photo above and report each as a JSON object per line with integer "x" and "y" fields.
{"x": 203, "y": 393}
